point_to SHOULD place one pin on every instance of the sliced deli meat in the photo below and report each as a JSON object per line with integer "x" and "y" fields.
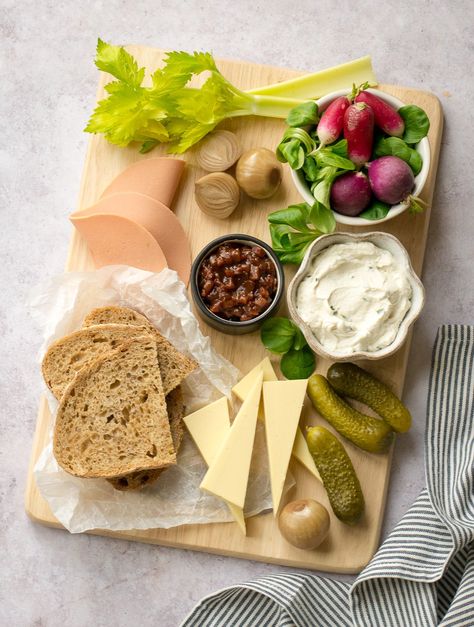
{"x": 151, "y": 215}
{"x": 117, "y": 240}
{"x": 157, "y": 177}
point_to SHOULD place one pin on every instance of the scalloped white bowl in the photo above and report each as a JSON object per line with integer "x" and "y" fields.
{"x": 382, "y": 240}
{"x": 423, "y": 148}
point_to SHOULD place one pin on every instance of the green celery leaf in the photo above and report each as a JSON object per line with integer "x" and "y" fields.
{"x": 376, "y": 211}
{"x": 277, "y": 334}
{"x": 417, "y": 123}
{"x": 298, "y": 364}
{"x": 120, "y": 116}
{"x": 305, "y": 114}
{"x": 117, "y": 61}
{"x": 148, "y": 145}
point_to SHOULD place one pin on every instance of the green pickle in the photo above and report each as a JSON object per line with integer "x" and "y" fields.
{"x": 338, "y": 475}
{"x": 350, "y": 380}
{"x": 368, "y": 433}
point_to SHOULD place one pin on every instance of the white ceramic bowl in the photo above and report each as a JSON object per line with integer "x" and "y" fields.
{"x": 423, "y": 147}
{"x": 382, "y": 240}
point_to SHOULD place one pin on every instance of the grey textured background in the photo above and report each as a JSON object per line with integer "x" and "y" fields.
{"x": 48, "y": 81}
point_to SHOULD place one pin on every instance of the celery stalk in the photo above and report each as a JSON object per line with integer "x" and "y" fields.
{"x": 310, "y": 86}
{"x": 266, "y": 106}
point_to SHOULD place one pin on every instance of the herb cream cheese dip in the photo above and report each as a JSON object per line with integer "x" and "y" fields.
{"x": 354, "y": 297}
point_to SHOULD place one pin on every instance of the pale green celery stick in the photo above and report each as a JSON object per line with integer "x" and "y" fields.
{"x": 320, "y": 83}
{"x": 267, "y": 106}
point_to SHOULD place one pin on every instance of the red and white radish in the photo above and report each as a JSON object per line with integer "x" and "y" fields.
{"x": 350, "y": 193}
{"x": 332, "y": 120}
{"x": 386, "y": 118}
{"x": 391, "y": 179}
{"x": 359, "y": 132}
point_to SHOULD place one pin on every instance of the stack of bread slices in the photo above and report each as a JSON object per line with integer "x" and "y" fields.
{"x": 120, "y": 411}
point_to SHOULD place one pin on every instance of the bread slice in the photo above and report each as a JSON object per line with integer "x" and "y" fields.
{"x": 69, "y": 354}
{"x": 112, "y": 418}
{"x": 117, "y": 315}
{"x": 174, "y": 366}
{"x": 142, "y": 478}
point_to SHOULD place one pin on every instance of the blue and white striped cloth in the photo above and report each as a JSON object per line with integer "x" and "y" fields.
{"x": 423, "y": 574}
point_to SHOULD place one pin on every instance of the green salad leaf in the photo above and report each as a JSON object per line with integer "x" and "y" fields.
{"x": 293, "y": 229}
{"x": 417, "y": 123}
{"x": 398, "y": 148}
{"x": 305, "y": 114}
{"x": 282, "y": 336}
{"x": 375, "y": 211}
{"x": 298, "y": 364}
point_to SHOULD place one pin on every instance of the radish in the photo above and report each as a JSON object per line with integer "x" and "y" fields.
{"x": 359, "y": 132}
{"x": 385, "y": 115}
{"x": 332, "y": 120}
{"x": 350, "y": 193}
{"x": 391, "y": 179}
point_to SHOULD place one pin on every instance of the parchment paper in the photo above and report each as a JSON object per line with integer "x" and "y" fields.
{"x": 59, "y": 307}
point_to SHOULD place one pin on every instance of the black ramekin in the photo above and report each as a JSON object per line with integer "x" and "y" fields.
{"x": 231, "y": 326}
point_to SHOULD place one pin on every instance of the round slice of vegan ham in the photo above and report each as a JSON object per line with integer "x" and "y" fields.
{"x": 153, "y": 217}
{"x": 117, "y": 240}
{"x": 157, "y": 177}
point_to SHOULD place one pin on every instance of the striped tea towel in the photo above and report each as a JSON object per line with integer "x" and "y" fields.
{"x": 423, "y": 574}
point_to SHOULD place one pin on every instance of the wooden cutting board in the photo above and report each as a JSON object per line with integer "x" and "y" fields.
{"x": 346, "y": 550}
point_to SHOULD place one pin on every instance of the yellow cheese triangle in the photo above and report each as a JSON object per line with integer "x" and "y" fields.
{"x": 209, "y": 427}
{"x": 283, "y": 402}
{"x": 241, "y": 390}
{"x": 228, "y": 475}
{"x": 302, "y": 454}
{"x": 243, "y": 387}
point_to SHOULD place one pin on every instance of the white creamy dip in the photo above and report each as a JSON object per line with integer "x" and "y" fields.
{"x": 354, "y": 297}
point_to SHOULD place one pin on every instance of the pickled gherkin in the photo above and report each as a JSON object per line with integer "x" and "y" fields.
{"x": 338, "y": 475}
{"x": 368, "y": 433}
{"x": 350, "y": 380}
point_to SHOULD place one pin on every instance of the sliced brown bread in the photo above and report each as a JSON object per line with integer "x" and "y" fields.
{"x": 174, "y": 366}
{"x": 69, "y": 354}
{"x": 142, "y": 478}
{"x": 112, "y": 419}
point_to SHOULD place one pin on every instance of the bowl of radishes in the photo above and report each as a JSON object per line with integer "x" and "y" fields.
{"x": 368, "y": 160}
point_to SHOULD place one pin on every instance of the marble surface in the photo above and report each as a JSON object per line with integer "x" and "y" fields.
{"x": 49, "y": 578}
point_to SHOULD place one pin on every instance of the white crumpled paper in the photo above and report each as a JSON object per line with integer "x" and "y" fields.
{"x": 59, "y": 307}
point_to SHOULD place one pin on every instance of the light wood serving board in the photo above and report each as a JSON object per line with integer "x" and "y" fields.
{"x": 346, "y": 550}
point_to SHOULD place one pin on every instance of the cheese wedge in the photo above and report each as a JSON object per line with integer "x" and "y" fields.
{"x": 301, "y": 453}
{"x": 228, "y": 475}
{"x": 243, "y": 387}
{"x": 209, "y": 427}
{"x": 241, "y": 390}
{"x": 283, "y": 402}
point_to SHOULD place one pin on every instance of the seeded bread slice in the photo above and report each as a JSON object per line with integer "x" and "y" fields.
{"x": 69, "y": 354}
{"x": 142, "y": 478}
{"x": 174, "y": 366}
{"x": 112, "y": 419}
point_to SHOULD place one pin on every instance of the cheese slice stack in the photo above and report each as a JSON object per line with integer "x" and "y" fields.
{"x": 209, "y": 428}
{"x": 228, "y": 475}
{"x": 241, "y": 390}
{"x": 283, "y": 402}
